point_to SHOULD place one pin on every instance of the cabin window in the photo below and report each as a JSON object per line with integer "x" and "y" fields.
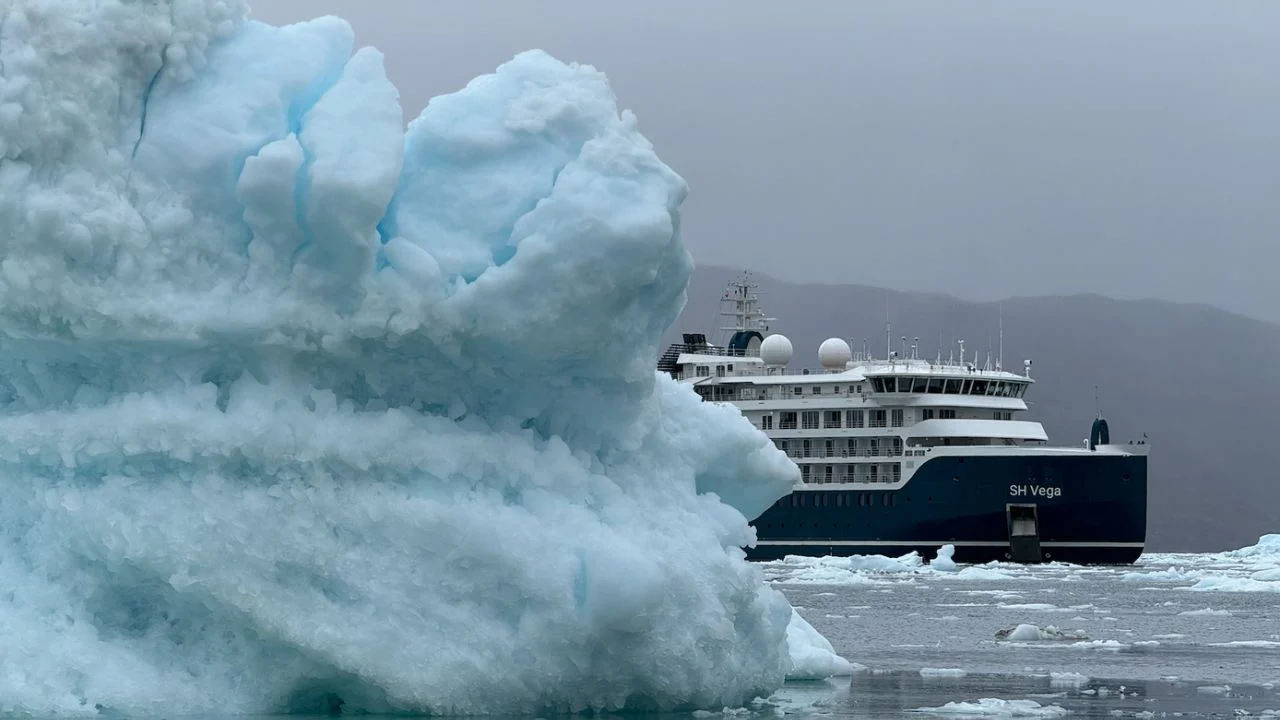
{"x": 729, "y": 368}
{"x": 918, "y": 385}
{"x": 806, "y": 447}
{"x": 719, "y": 371}
{"x": 878, "y": 418}
{"x": 954, "y": 385}
{"x": 830, "y": 472}
{"x": 702, "y": 371}
{"x": 817, "y": 389}
{"x": 781, "y": 445}
{"x": 947, "y": 414}
{"x": 896, "y": 416}
{"x": 766, "y": 422}
{"x": 875, "y": 474}
{"x": 787, "y": 420}
{"x": 897, "y": 472}
{"x": 926, "y": 414}
{"x": 797, "y": 390}
{"x": 804, "y": 476}
{"x": 809, "y": 420}
{"x": 853, "y": 418}
{"x": 851, "y": 389}
{"x": 831, "y": 419}
{"x": 1003, "y": 415}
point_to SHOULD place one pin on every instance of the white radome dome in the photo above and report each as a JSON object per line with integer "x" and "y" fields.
{"x": 775, "y": 350}
{"x": 834, "y": 354}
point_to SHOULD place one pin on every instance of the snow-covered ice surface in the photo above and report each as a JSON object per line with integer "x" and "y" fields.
{"x": 297, "y": 406}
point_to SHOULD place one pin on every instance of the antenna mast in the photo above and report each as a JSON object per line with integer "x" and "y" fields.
{"x": 1000, "y": 356}
{"x": 744, "y": 310}
{"x": 888, "y": 335}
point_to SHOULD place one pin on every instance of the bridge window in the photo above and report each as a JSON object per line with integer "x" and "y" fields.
{"x": 787, "y": 421}
{"x": 918, "y": 385}
{"x": 831, "y": 419}
{"x": 954, "y": 385}
{"x": 935, "y": 386}
{"x": 979, "y": 387}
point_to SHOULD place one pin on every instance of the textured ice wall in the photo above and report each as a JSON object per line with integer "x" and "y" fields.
{"x": 295, "y": 406}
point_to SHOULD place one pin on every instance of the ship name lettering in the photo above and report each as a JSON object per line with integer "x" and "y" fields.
{"x": 1044, "y": 491}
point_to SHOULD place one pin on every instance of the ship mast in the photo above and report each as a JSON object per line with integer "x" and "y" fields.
{"x": 740, "y": 302}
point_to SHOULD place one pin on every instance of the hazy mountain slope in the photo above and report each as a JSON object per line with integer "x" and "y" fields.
{"x": 1204, "y": 384}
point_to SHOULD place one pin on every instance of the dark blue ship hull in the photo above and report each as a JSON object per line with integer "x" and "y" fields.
{"x": 1088, "y": 508}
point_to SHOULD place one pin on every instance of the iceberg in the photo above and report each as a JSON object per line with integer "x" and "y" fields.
{"x": 305, "y": 411}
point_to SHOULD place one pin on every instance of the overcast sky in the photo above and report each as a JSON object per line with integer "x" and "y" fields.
{"x": 981, "y": 149}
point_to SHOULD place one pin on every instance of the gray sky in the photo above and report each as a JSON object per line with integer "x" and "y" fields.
{"x": 980, "y": 149}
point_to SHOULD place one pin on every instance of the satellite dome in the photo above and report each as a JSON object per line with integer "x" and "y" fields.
{"x": 834, "y": 354}
{"x": 775, "y": 350}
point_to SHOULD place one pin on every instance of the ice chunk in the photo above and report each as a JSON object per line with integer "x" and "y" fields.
{"x": 812, "y": 656}
{"x": 944, "y": 562}
{"x": 996, "y": 707}
{"x": 304, "y": 412}
{"x": 1026, "y": 632}
{"x": 942, "y": 673}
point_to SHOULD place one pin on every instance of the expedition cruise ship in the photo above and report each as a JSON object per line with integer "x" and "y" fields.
{"x": 902, "y": 454}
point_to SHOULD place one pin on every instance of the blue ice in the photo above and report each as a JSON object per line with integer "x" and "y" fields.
{"x": 296, "y": 405}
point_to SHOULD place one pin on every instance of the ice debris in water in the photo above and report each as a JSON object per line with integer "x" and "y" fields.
{"x": 996, "y": 707}
{"x": 1026, "y": 632}
{"x": 303, "y": 412}
{"x": 944, "y": 562}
